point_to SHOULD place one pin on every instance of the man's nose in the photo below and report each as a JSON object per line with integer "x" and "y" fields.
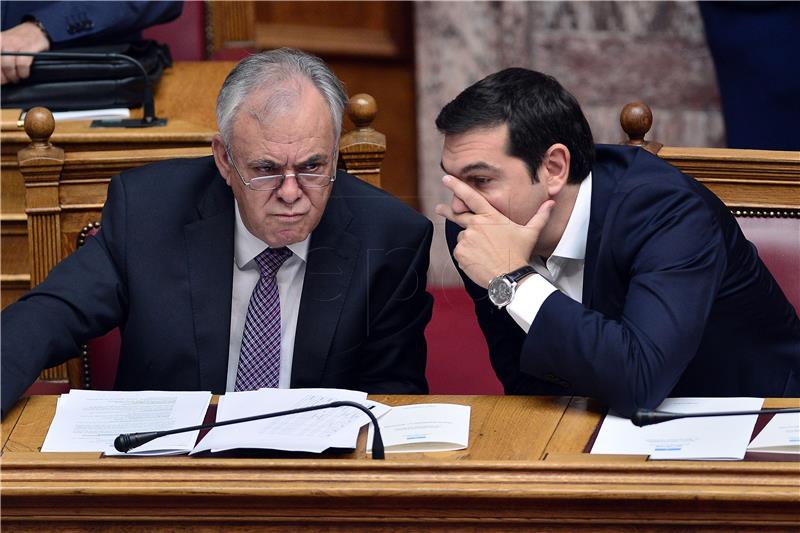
{"x": 290, "y": 190}
{"x": 458, "y": 206}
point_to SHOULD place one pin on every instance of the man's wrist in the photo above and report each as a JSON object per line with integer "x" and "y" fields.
{"x": 501, "y": 289}
{"x": 34, "y": 22}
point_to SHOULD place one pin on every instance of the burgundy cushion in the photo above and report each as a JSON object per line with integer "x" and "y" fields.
{"x": 458, "y": 358}
{"x": 186, "y": 35}
{"x": 778, "y": 243}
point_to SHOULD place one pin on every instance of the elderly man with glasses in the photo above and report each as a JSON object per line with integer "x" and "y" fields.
{"x": 263, "y": 266}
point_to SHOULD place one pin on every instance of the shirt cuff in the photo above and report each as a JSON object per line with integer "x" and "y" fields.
{"x": 528, "y": 299}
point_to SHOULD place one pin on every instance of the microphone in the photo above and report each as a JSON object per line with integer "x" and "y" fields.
{"x": 149, "y": 119}
{"x": 646, "y": 417}
{"x": 127, "y": 441}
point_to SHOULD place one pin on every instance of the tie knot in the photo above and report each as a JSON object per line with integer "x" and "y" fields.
{"x": 271, "y": 259}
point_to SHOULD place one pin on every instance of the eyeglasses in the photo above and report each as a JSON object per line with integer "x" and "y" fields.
{"x": 275, "y": 181}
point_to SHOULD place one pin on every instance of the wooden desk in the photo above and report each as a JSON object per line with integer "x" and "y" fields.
{"x": 523, "y": 470}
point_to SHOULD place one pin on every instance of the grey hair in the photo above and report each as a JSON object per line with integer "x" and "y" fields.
{"x": 270, "y": 68}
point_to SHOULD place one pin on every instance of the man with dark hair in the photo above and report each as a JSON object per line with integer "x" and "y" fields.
{"x": 609, "y": 273}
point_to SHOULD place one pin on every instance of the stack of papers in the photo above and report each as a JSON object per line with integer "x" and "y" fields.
{"x": 89, "y": 421}
{"x": 711, "y": 438}
{"x": 780, "y": 435}
{"x": 314, "y": 431}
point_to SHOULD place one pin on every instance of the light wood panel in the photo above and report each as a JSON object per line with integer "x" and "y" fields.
{"x": 754, "y": 182}
{"x": 501, "y": 482}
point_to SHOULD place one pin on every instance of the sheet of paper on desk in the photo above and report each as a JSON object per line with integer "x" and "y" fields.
{"x": 424, "y": 427}
{"x": 315, "y": 431}
{"x": 87, "y": 114}
{"x": 780, "y": 435}
{"x": 88, "y": 421}
{"x": 710, "y": 438}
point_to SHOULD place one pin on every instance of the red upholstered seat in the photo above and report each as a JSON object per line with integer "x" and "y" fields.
{"x": 458, "y": 358}
{"x": 186, "y": 35}
{"x": 778, "y": 242}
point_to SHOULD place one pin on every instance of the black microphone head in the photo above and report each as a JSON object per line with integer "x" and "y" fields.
{"x": 122, "y": 443}
{"x": 642, "y": 417}
{"x": 128, "y": 441}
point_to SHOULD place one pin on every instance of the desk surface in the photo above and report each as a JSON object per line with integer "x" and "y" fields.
{"x": 523, "y": 470}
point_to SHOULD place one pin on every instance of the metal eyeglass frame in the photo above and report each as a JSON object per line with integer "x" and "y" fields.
{"x": 280, "y": 178}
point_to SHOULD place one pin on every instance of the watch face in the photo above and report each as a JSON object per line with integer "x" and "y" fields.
{"x": 500, "y": 291}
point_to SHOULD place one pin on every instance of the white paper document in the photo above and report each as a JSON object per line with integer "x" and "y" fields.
{"x": 89, "y": 421}
{"x": 780, "y": 435}
{"x": 709, "y": 438}
{"x": 88, "y": 114}
{"x": 425, "y": 427}
{"x": 314, "y": 431}
{"x": 93, "y": 114}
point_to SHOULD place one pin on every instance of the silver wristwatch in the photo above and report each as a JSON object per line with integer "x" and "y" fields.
{"x": 503, "y": 287}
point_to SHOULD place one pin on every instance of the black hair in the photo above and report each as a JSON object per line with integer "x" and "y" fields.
{"x": 539, "y": 112}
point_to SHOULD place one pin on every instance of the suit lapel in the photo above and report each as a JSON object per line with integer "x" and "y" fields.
{"x": 209, "y": 243}
{"x": 331, "y": 260}
{"x": 603, "y": 184}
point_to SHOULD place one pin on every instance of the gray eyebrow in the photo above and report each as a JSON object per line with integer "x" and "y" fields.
{"x": 316, "y": 158}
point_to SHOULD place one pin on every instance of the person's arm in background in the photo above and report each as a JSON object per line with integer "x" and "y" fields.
{"x": 46, "y": 25}
{"x": 83, "y": 297}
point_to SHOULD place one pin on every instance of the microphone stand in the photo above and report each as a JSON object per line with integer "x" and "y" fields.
{"x": 127, "y": 441}
{"x": 149, "y": 119}
{"x": 646, "y": 417}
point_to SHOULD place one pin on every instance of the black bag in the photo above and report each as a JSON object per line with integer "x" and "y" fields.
{"x": 76, "y": 84}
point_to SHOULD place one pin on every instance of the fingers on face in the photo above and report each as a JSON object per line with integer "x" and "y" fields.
{"x": 471, "y": 198}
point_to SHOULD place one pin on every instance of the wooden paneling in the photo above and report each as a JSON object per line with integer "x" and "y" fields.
{"x": 742, "y": 178}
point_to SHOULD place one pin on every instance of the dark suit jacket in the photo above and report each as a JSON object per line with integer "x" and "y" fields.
{"x": 161, "y": 268}
{"x": 88, "y": 23}
{"x": 676, "y": 301}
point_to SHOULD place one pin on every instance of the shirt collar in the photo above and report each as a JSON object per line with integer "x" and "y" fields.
{"x": 247, "y": 246}
{"x": 573, "y": 241}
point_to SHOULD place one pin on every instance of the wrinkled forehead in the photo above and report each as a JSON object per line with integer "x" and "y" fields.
{"x": 293, "y": 115}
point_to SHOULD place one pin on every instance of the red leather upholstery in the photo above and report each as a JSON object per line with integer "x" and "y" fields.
{"x": 102, "y": 353}
{"x": 778, "y": 242}
{"x": 186, "y": 35}
{"x": 458, "y": 358}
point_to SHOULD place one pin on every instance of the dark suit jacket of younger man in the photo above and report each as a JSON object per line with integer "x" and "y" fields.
{"x": 161, "y": 268}
{"x": 676, "y": 301}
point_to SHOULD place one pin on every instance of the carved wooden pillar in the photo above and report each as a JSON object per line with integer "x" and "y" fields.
{"x": 41, "y": 164}
{"x": 363, "y": 149}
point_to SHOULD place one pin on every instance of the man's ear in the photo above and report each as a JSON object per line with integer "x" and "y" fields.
{"x": 555, "y": 168}
{"x": 221, "y": 158}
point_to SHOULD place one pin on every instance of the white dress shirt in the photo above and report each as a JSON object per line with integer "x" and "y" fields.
{"x": 290, "y": 287}
{"x": 563, "y": 270}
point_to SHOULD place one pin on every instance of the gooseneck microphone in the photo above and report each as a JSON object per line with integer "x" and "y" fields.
{"x": 127, "y": 441}
{"x": 149, "y": 119}
{"x": 646, "y": 417}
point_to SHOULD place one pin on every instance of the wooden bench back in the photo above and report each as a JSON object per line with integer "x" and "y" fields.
{"x": 761, "y": 188}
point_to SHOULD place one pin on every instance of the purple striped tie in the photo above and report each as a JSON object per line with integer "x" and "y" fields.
{"x": 260, "y": 355}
